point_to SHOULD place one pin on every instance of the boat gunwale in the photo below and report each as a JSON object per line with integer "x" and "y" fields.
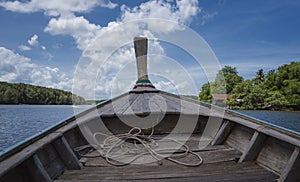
{"x": 245, "y": 116}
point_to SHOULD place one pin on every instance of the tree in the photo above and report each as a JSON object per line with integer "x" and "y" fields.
{"x": 11, "y": 96}
{"x": 225, "y": 80}
{"x": 277, "y": 89}
{"x": 276, "y": 99}
{"x": 257, "y": 96}
{"x": 29, "y": 94}
{"x": 270, "y": 80}
{"x": 205, "y": 93}
{"x": 238, "y": 98}
{"x": 291, "y": 90}
{"x": 259, "y": 78}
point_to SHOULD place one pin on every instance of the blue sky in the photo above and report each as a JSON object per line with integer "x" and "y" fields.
{"x": 43, "y": 42}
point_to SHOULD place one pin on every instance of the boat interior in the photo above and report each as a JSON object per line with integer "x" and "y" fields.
{"x": 242, "y": 148}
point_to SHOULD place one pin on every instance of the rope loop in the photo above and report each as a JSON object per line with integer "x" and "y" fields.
{"x": 135, "y": 144}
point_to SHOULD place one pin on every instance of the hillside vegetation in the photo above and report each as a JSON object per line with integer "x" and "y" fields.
{"x": 20, "y": 93}
{"x": 278, "y": 89}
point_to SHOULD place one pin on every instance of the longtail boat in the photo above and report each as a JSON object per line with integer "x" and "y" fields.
{"x": 179, "y": 139}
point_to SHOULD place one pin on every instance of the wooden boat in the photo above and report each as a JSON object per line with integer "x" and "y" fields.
{"x": 236, "y": 148}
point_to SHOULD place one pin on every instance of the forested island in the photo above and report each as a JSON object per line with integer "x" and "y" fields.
{"x": 276, "y": 90}
{"x": 20, "y": 93}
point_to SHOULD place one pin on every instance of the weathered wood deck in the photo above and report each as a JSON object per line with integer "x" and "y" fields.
{"x": 220, "y": 164}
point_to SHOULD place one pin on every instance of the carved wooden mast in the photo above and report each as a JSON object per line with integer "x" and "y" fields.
{"x": 141, "y": 49}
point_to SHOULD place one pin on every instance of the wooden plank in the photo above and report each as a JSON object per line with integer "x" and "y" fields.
{"x": 18, "y": 158}
{"x": 151, "y": 101}
{"x": 291, "y": 171}
{"x": 275, "y": 154}
{"x": 121, "y": 107}
{"x": 67, "y": 127}
{"x": 254, "y": 147}
{"x": 135, "y": 106}
{"x": 66, "y": 153}
{"x": 211, "y": 155}
{"x": 277, "y": 133}
{"x": 146, "y": 104}
{"x": 51, "y": 161}
{"x": 283, "y": 136}
{"x": 19, "y": 174}
{"x": 203, "y": 108}
{"x": 115, "y": 105}
{"x": 239, "y": 137}
{"x": 242, "y": 121}
{"x": 107, "y": 110}
{"x": 262, "y": 176}
{"x": 185, "y": 106}
{"x": 93, "y": 114}
{"x": 75, "y": 138}
{"x": 178, "y": 105}
{"x": 223, "y": 132}
{"x": 136, "y": 172}
{"x": 173, "y": 104}
{"x": 36, "y": 170}
{"x": 30, "y": 170}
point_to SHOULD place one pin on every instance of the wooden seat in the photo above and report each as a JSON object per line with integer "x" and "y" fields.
{"x": 219, "y": 165}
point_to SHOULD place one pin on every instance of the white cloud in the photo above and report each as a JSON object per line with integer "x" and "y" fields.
{"x": 95, "y": 72}
{"x": 77, "y": 27}
{"x": 182, "y": 13}
{"x": 55, "y": 7}
{"x": 17, "y": 68}
{"x": 33, "y": 41}
{"x": 84, "y": 32}
{"x": 24, "y": 48}
{"x": 101, "y": 62}
{"x": 187, "y": 9}
{"x": 208, "y": 16}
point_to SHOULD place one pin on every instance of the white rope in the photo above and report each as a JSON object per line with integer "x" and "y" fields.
{"x": 139, "y": 146}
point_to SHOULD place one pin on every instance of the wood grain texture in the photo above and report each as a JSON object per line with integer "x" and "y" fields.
{"x": 17, "y": 159}
{"x": 219, "y": 165}
{"x": 292, "y": 170}
{"x": 223, "y": 132}
{"x": 37, "y": 171}
{"x": 207, "y": 172}
{"x": 254, "y": 147}
{"x": 225, "y": 177}
{"x": 275, "y": 154}
{"x": 66, "y": 153}
{"x": 210, "y": 154}
{"x": 51, "y": 161}
{"x": 264, "y": 128}
{"x": 239, "y": 137}
{"x": 75, "y": 138}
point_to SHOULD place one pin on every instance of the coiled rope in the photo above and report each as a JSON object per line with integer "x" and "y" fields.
{"x": 136, "y": 144}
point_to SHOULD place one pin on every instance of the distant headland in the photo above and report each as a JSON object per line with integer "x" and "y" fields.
{"x": 20, "y": 93}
